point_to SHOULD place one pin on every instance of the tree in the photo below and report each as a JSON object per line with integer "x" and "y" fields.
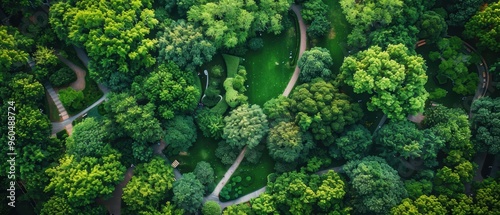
{"x": 395, "y": 79}
{"x": 422, "y": 205}
{"x": 315, "y": 63}
{"x": 486, "y": 124}
{"x": 114, "y": 36}
{"x": 62, "y": 77}
{"x": 26, "y": 90}
{"x": 313, "y": 9}
{"x": 188, "y": 193}
{"x": 210, "y": 123}
{"x": 432, "y": 26}
{"x": 227, "y": 22}
{"x": 184, "y": 45}
{"x": 180, "y": 134}
{"x": 486, "y": 200}
{"x": 450, "y": 181}
{"x": 170, "y": 89}
{"x": 461, "y": 11}
{"x": 71, "y": 98}
{"x": 245, "y": 125}
{"x": 319, "y": 27}
{"x": 59, "y": 205}
{"x": 239, "y": 209}
{"x": 148, "y": 186}
{"x": 299, "y": 193}
{"x": 87, "y": 140}
{"x": 418, "y": 188}
{"x": 284, "y": 142}
{"x": 125, "y": 118}
{"x": 80, "y": 182}
{"x": 204, "y": 173}
{"x": 211, "y": 208}
{"x": 278, "y": 109}
{"x": 353, "y": 144}
{"x": 13, "y": 47}
{"x": 46, "y": 61}
{"x": 269, "y": 15}
{"x": 319, "y": 107}
{"x": 454, "y": 65}
{"x": 381, "y": 192}
{"x": 235, "y": 88}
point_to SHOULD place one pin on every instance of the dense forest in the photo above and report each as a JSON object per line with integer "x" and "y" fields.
{"x": 151, "y": 107}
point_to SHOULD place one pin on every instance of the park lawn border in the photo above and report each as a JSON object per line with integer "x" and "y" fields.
{"x": 232, "y": 63}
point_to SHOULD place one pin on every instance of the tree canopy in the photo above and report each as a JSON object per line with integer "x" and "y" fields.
{"x": 245, "y": 125}
{"x": 486, "y": 124}
{"x": 180, "y": 134}
{"x": 315, "y": 63}
{"x": 393, "y": 77}
{"x": 353, "y": 144}
{"x": 13, "y": 47}
{"x": 188, "y": 193}
{"x": 485, "y": 26}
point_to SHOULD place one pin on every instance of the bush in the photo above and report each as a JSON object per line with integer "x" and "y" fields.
{"x": 62, "y": 77}
{"x": 255, "y": 43}
{"x": 438, "y": 93}
{"x": 211, "y": 208}
{"x": 216, "y": 71}
{"x": 71, "y": 99}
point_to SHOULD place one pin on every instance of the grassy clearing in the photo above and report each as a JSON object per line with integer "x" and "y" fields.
{"x": 270, "y": 68}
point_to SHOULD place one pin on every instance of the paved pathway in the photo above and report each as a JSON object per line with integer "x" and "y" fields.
{"x": 214, "y": 196}
{"x": 79, "y": 84}
{"x": 60, "y": 108}
{"x": 115, "y": 202}
{"x": 158, "y": 149}
{"x": 303, "y": 46}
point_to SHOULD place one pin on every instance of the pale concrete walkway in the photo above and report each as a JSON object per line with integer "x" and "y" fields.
{"x": 60, "y": 108}
{"x": 303, "y": 46}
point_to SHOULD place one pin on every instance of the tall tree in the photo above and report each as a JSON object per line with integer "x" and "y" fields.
{"x": 245, "y": 125}
{"x": 485, "y": 26}
{"x": 422, "y": 205}
{"x": 315, "y": 63}
{"x": 432, "y": 26}
{"x": 115, "y": 37}
{"x": 395, "y": 79}
{"x": 170, "y": 89}
{"x": 320, "y": 108}
{"x": 381, "y": 192}
{"x": 87, "y": 140}
{"x": 188, "y": 193}
{"x": 185, "y": 45}
{"x": 210, "y": 123}
{"x": 13, "y": 47}
{"x": 486, "y": 124}
{"x": 204, "y": 172}
{"x": 180, "y": 134}
{"x": 285, "y": 142}
{"x": 353, "y": 144}
{"x": 148, "y": 186}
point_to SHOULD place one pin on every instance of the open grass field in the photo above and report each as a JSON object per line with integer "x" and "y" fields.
{"x": 269, "y": 69}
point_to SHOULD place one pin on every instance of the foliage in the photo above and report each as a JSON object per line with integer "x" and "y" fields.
{"x": 450, "y": 181}
{"x": 269, "y": 15}
{"x": 239, "y": 209}
{"x": 125, "y": 118}
{"x": 459, "y": 12}
{"x": 418, "y": 188}
{"x": 284, "y": 142}
{"x": 255, "y": 43}
{"x": 395, "y": 79}
{"x": 180, "y": 134}
{"x": 235, "y": 87}
{"x": 432, "y": 26}
{"x": 227, "y": 153}
{"x": 87, "y": 140}
{"x": 26, "y": 89}
{"x": 299, "y": 193}
{"x": 315, "y": 63}
{"x": 204, "y": 173}
{"x": 13, "y": 47}
{"x": 71, "y": 98}
{"x": 114, "y": 36}
{"x": 170, "y": 89}
{"x": 148, "y": 186}
{"x": 80, "y": 182}
{"x": 381, "y": 192}
{"x": 438, "y": 93}
{"x": 353, "y": 144}
{"x": 185, "y": 45}
{"x": 320, "y": 108}
{"x": 486, "y": 200}
{"x": 210, "y": 123}
{"x": 319, "y": 27}
{"x": 454, "y": 65}
{"x": 245, "y": 125}
{"x": 188, "y": 193}
{"x": 486, "y": 124}
{"x": 422, "y": 205}
{"x": 211, "y": 208}
{"x": 278, "y": 109}
{"x": 62, "y": 77}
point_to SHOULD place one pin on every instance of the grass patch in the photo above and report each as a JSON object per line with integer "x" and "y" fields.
{"x": 202, "y": 150}
{"x": 232, "y": 63}
{"x": 270, "y": 68}
{"x": 91, "y": 94}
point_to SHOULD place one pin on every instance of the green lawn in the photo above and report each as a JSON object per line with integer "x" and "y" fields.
{"x": 202, "y": 150}
{"x": 257, "y": 172}
{"x": 336, "y": 40}
{"x": 269, "y": 69}
{"x": 232, "y": 63}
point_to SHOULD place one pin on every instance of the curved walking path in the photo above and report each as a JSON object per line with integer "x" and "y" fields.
{"x": 303, "y": 46}
{"x": 60, "y": 108}
{"x": 214, "y": 196}
{"x": 79, "y": 84}
{"x": 115, "y": 202}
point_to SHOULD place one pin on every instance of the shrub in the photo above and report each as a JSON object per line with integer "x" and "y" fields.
{"x": 71, "y": 99}
{"x": 211, "y": 208}
{"x": 62, "y": 77}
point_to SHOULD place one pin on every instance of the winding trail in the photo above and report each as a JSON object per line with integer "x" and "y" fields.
{"x": 214, "y": 196}
{"x": 79, "y": 84}
{"x": 60, "y": 108}
{"x": 115, "y": 202}
{"x": 303, "y": 45}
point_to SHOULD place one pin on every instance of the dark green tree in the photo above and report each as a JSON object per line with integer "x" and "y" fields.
{"x": 245, "y": 125}
{"x": 315, "y": 63}
{"x": 188, "y": 193}
{"x": 486, "y": 124}
{"x": 180, "y": 134}
{"x": 353, "y": 144}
